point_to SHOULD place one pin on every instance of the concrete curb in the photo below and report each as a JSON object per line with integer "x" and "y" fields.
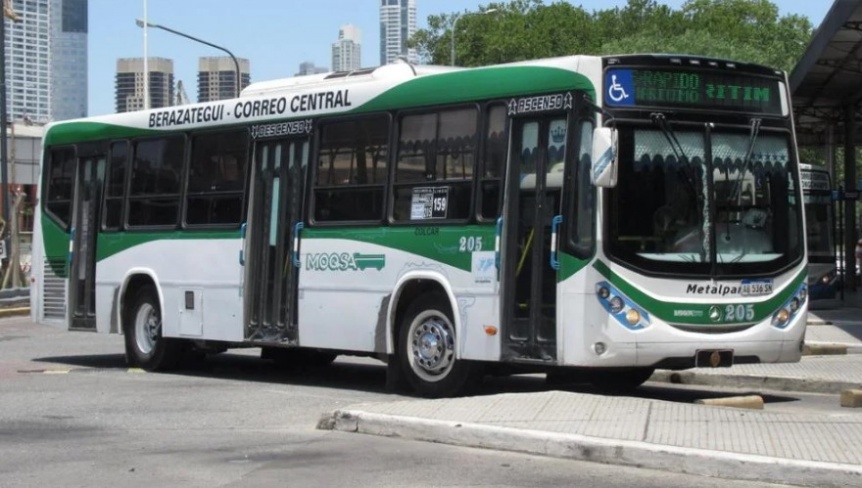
{"x": 760, "y": 382}
{"x": 14, "y": 312}
{"x": 637, "y": 454}
{"x": 823, "y": 349}
{"x": 834, "y": 348}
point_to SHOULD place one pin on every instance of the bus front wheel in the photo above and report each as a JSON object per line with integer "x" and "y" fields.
{"x": 142, "y": 330}
{"x": 426, "y": 350}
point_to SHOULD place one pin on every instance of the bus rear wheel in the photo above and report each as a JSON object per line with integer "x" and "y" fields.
{"x": 142, "y": 330}
{"x": 426, "y": 350}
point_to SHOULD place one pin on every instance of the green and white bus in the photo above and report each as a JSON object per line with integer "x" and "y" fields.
{"x": 592, "y": 217}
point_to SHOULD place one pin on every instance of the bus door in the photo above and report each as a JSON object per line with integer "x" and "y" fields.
{"x": 529, "y": 278}
{"x": 274, "y": 219}
{"x": 85, "y": 228}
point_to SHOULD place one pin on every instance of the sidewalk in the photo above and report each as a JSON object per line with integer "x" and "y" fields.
{"x": 797, "y": 449}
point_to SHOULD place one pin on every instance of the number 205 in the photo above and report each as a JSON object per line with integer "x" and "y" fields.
{"x": 739, "y": 313}
{"x": 470, "y": 244}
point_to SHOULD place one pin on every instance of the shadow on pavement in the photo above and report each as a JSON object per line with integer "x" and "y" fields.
{"x": 372, "y": 378}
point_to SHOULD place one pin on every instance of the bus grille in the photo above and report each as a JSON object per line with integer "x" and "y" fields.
{"x": 54, "y": 289}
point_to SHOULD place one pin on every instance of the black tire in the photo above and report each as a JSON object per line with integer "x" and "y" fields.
{"x": 426, "y": 350}
{"x": 142, "y": 328}
{"x": 621, "y": 380}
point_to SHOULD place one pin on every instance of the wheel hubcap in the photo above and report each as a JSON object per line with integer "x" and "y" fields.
{"x": 432, "y": 346}
{"x": 147, "y": 328}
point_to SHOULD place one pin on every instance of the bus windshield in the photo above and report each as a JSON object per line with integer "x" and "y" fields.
{"x": 698, "y": 201}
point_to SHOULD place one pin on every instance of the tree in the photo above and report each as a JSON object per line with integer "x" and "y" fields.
{"x": 743, "y": 30}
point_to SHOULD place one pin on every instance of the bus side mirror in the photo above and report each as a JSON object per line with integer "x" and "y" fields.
{"x": 604, "y": 170}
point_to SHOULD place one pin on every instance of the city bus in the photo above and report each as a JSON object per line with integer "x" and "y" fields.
{"x": 586, "y": 217}
{"x": 823, "y": 279}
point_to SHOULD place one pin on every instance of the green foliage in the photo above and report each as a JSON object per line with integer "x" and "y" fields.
{"x": 742, "y": 30}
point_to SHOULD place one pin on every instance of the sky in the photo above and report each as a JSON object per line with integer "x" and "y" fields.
{"x": 274, "y": 35}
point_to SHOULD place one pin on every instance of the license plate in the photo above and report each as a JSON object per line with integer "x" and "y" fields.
{"x": 720, "y": 358}
{"x": 755, "y": 287}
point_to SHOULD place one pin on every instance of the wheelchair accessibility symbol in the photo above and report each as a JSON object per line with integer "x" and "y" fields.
{"x": 619, "y": 84}
{"x": 616, "y": 91}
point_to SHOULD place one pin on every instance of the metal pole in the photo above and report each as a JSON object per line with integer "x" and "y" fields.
{"x": 452, "y": 41}
{"x": 4, "y": 170}
{"x": 850, "y": 235}
{"x": 146, "y": 62}
{"x": 172, "y": 31}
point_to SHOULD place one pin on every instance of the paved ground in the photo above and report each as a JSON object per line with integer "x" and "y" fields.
{"x": 810, "y": 449}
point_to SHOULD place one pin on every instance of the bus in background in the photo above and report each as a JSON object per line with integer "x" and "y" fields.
{"x": 823, "y": 279}
{"x": 586, "y": 217}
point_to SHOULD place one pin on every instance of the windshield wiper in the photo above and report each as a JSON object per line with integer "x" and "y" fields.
{"x": 660, "y": 120}
{"x": 689, "y": 174}
{"x": 746, "y": 162}
{"x": 734, "y": 194}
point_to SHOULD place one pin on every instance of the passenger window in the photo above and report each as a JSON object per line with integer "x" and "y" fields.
{"x": 116, "y": 188}
{"x": 494, "y": 163}
{"x": 154, "y": 197}
{"x": 435, "y": 166}
{"x": 217, "y": 178}
{"x": 60, "y": 184}
{"x": 351, "y": 172}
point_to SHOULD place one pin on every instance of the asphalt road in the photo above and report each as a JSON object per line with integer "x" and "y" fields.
{"x": 72, "y": 414}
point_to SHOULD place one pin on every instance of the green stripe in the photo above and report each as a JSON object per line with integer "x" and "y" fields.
{"x": 436, "y": 243}
{"x": 479, "y": 84}
{"x": 77, "y": 132}
{"x": 665, "y": 310}
{"x": 56, "y": 243}
{"x": 569, "y": 265}
{"x": 111, "y": 243}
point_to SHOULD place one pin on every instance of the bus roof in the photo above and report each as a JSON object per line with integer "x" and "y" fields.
{"x": 391, "y": 87}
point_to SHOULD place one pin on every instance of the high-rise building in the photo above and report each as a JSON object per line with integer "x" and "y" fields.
{"x": 397, "y": 26}
{"x": 347, "y": 51}
{"x": 68, "y": 59}
{"x": 130, "y": 83}
{"x": 217, "y": 77}
{"x": 308, "y": 68}
{"x": 46, "y": 60}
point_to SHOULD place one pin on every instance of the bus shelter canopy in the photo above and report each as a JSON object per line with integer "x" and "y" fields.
{"x": 827, "y": 81}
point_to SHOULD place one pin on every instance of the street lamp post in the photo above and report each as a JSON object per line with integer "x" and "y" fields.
{"x": 142, "y": 23}
{"x": 455, "y": 24}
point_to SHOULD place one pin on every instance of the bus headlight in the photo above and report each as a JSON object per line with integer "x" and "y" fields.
{"x": 625, "y": 311}
{"x": 794, "y": 304}
{"x": 782, "y": 317}
{"x": 616, "y": 304}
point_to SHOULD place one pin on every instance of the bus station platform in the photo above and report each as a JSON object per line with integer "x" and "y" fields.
{"x": 794, "y": 447}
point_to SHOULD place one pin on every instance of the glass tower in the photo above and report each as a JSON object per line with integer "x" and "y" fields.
{"x": 397, "y": 25}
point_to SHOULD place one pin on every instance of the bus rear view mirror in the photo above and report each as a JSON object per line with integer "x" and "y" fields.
{"x": 604, "y": 170}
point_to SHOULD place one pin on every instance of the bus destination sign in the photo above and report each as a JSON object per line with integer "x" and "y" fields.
{"x": 692, "y": 89}
{"x": 816, "y": 181}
